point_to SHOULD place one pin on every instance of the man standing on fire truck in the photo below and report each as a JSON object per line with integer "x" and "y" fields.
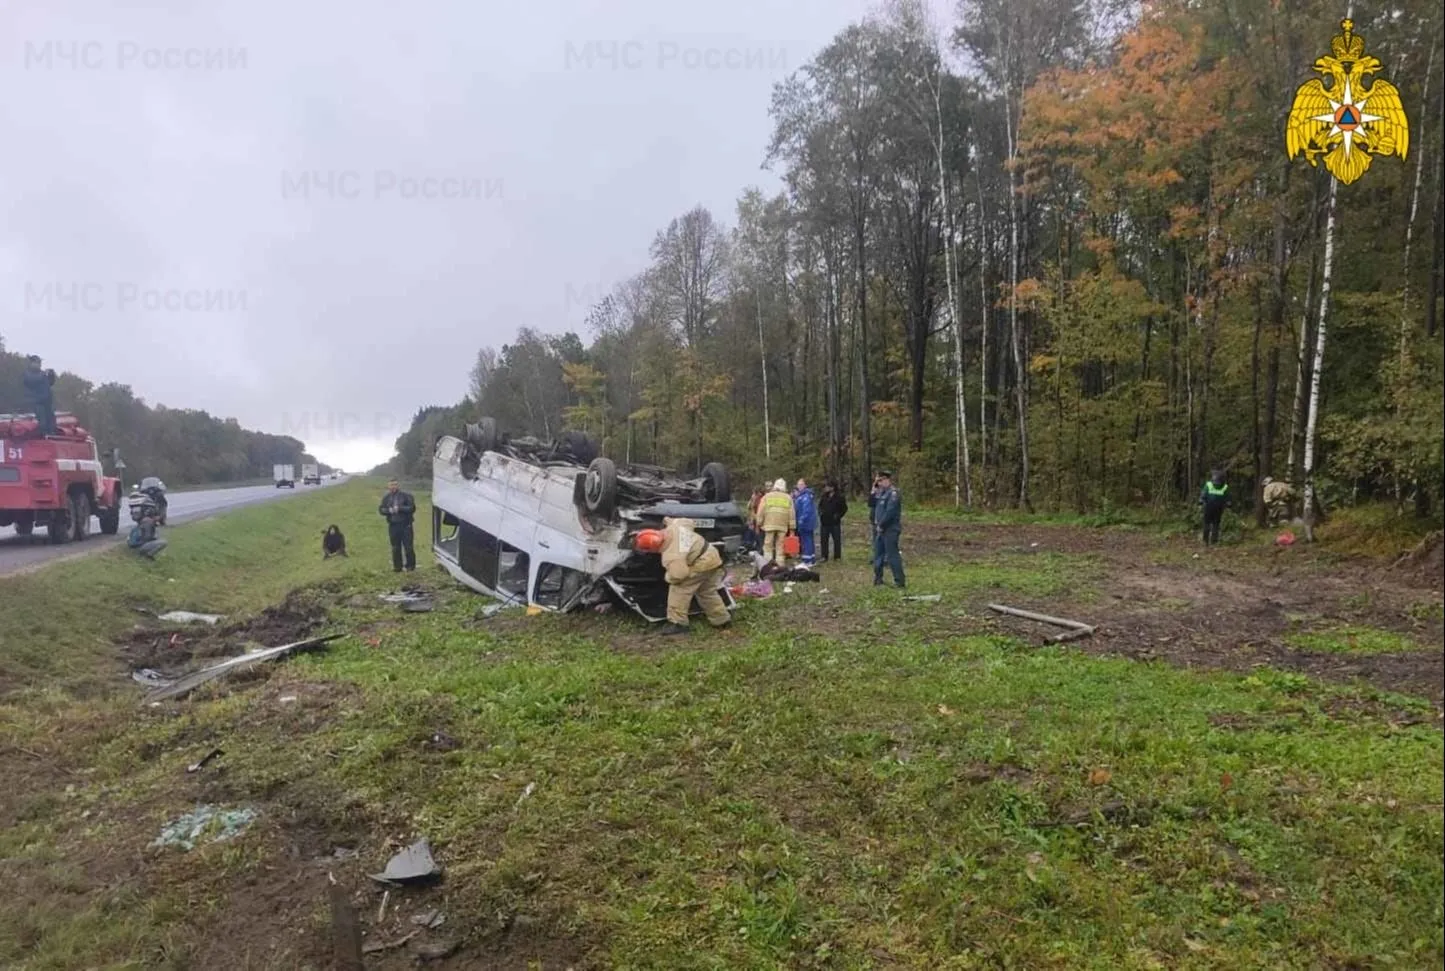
{"x": 40, "y": 394}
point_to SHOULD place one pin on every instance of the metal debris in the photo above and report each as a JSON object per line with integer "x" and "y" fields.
{"x": 431, "y": 919}
{"x": 927, "y": 598}
{"x": 186, "y": 831}
{"x": 150, "y": 678}
{"x": 198, "y": 766}
{"x": 406, "y": 595}
{"x": 189, "y": 617}
{"x": 194, "y": 680}
{"x": 531, "y": 788}
{"x": 412, "y": 865}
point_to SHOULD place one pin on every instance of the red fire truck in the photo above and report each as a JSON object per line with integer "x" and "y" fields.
{"x": 55, "y": 481}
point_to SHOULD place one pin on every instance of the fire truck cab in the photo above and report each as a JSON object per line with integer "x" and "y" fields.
{"x": 56, "y": 481}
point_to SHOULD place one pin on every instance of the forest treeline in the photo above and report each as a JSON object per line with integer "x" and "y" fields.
{"x": 1051, "y": 254}
{"x": 182, "y": 446}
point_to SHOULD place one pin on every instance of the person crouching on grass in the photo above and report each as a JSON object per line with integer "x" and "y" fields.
{"x": 694, "y": 569}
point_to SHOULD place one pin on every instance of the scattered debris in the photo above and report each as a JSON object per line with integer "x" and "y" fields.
{"x": 194, "y": 680}
{"x": 381, "y": 914}
{"x": 412, "y": 865}
{"x": 926, "y": 598}
{"x": 491, "y": 610}
{"x": 431, "y": 919}
{"x": 418, "y": 606}
{"x": 407, "y": 595}
{"x": 150, "y": 678}
{"x": 1100, "y": 777}
{"x": 757, "y": 589}
{"x": 190, "y": 617}
{"x": 1075, "y": 628}
{"x": 185, "y": 831}
{"x": 531, "y": 788}
{"x": 946, "y": 711}
{"x": 339, "y": 855}
{"x": 198, "y": 766}
{"x": 442, "y": 742}
{"x": 1285, "y": 538}
{"x": 286, "y": 699}
{"x": 376, "y": 946}
{"x": 439, "y": 951}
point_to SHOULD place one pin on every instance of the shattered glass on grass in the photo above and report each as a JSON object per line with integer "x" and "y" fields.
{"x": 186, "y": 831}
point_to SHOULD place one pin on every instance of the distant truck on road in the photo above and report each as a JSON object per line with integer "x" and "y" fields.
{"x": 285, "y": 476}
{"x": 310, "y": 475}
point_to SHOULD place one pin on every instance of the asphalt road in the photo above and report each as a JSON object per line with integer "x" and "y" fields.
{"x": 19, "y": 553}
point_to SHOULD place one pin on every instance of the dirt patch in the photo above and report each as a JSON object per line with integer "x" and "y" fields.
{"x": 1424, "y": 564}
{"x": 171, "y": 649}
{"x": 1232, "y": 608}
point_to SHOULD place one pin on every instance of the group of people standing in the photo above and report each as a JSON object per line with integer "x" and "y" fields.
{"x": 775, "y": 515}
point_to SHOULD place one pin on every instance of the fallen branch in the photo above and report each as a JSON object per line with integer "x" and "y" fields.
{"x": 1075, "y": 629}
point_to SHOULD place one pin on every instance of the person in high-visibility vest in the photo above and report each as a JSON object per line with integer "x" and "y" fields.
{"x": 777, "y": 518}
{"x": 1214, "y": 497}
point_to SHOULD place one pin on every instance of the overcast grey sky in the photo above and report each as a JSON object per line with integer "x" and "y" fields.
{"x": 165, "y": 227}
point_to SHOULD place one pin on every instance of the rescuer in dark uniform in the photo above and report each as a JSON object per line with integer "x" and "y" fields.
{"x": 1214, "y": 497}
{"x": 399, "y": 508}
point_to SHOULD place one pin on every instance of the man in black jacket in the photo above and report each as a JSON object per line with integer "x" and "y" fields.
{"x": 40, "y": 394}
{"x": 399, "y": 508}
{"x": 832, "y": 507}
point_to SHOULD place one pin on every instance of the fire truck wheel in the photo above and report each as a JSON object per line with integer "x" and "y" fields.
{"x": 80, "y": 516}
{"x": 59, "y": 528}
{"x": 110, "y": 518}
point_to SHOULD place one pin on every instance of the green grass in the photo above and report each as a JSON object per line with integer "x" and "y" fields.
{"x": 1354, "y": 640}
{"x": 898, "y": 790}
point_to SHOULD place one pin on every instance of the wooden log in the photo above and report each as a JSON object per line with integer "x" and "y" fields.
{"x": 1041, "y": 618}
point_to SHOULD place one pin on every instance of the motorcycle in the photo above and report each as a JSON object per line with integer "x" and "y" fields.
{"x": 156, "y": 490}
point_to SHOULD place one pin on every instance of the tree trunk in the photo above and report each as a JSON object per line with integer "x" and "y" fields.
{"x": 1438, "y": 228}
{"x": 1297, "y": 413}
{"x": 962, "y": 489}
{"x": 1402, "y": 380}
{"x": 1256, "y": 437}
{"x": 1020, "y": 393}
{"x": 983, "y": 255}
{"x": 763, "y": 351}
{"x": 860, "y": 241}
{"x": 1311, "y": 424}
